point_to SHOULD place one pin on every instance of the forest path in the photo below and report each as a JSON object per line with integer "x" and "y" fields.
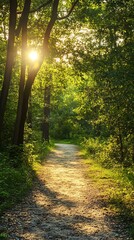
{"x": 64, "y": 204}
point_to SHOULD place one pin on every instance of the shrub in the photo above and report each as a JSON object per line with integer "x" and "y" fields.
{"x": 92, "y": 146}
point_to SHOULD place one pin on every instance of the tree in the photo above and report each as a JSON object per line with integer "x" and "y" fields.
{"x": 110, "y": 61}
{"x": 22, "y": 27}
{"x": 25, "y": 85}
{"x": 34, "y": 70}
{"x": 9, "y": 61}
{"x": 47, "y": 96}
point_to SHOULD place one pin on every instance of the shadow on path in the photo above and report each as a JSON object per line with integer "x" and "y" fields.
{"x": 49, "y": 213}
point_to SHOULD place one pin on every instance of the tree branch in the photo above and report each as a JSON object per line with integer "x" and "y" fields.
{"x": 70, "y": 11}
{"x": 38, "y": 8}
{"x": 50, "y": 25}
{"x": 24, "y": 16}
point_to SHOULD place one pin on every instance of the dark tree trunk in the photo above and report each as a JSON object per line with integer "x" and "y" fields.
{"x": 45, "y": 125}
{"x": 23, "y": 23}
{"x": 29, "y": 114}
{"x": 9, "y": 61}
{"x": 26, "y": 95}
{"x": 121, "y": 148}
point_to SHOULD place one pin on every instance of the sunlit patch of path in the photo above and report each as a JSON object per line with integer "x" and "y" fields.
{"x": 64, "y": 204}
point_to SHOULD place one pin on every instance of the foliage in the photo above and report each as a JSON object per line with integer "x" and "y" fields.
{"x": 106, "y": 151}
{"x": 17, "y": 175}
{"x": 100, "y": 48}
{"x": 90, "y": 72}
{"x": 63, "y": 118}
{"x": 14, "y": 183}
{"x": 116, "y": 187}
{"x": 92, "y": 146}
{"x": 108, "y": 61}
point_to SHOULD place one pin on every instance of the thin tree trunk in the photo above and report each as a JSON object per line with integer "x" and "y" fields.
{"x": 121, "y": 148}
{"x": 29, "y": 114}
{"x": 45, "y": 127}
{"x": 9, "y": 61}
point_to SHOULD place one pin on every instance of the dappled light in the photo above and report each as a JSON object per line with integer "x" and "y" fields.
{"x": 66, "y": 76}
{"x": 63, "y": 204}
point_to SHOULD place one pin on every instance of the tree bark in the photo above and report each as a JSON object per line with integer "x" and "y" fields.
{"x": 23, "y": 20}
{"x": 29, "y": 114}
{"x": 45, "y": 127}
{"x": 121, "y": 148}
{"x": 24, "y": 109}
{"x": 9, "y": 61}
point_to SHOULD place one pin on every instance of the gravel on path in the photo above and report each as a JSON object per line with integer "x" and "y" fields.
{"x": 63, "y": 205}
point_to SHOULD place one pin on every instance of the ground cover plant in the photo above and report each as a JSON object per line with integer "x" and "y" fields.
{"x": 115, "y": 181}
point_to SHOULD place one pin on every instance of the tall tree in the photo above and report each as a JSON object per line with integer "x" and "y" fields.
{"x": 45, "y": 124}
{"x": 9, "y": 60}
{"x": 23, "y": 28}
{"x": 35, "y": 68}
{"x": 25, "y": 85}
{"x": 110, "y": 61}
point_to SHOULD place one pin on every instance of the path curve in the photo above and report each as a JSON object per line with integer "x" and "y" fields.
{"x": 64, "y": 204}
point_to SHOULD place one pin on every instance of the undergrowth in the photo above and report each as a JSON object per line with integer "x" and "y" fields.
{"x": 16, "y": 180}
{"x": 114, "y": 180}
{"x": 14, "y": 183}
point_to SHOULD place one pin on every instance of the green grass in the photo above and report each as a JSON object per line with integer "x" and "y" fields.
{"x": 16, "y": 181}
{"x": 116, "y": 187}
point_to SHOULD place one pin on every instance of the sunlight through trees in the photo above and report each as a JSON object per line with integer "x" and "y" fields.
{"x": 67, "y": 72}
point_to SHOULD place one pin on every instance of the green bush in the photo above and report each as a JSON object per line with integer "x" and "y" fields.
{"x": 108, "y": 152}
{"x": 14, "y": 182}
{"x": 92, "y": 146}
{"x": 17, "y": 171}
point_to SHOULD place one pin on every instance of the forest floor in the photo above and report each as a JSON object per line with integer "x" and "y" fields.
{"x": 64, "y": 204}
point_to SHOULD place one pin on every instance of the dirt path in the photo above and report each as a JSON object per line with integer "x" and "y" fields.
{"x": 64, "y": 204}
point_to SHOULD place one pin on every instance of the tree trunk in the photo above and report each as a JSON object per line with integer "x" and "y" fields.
{"x": 45, "y": 127}
{"x": 32, "y": 74}
{"x": 26, "y": 95}
{"x": 121, "y": 148}
{"x": 34, "y": 71}
{"x": 29, "y": 114}
{"x": 9, "y": 61}
{"x": 23, "y": 21}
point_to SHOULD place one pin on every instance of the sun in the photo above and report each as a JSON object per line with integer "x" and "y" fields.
{"x": 33, "y": 55}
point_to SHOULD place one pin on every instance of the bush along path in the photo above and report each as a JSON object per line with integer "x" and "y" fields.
{"x": 64, "y": 204}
